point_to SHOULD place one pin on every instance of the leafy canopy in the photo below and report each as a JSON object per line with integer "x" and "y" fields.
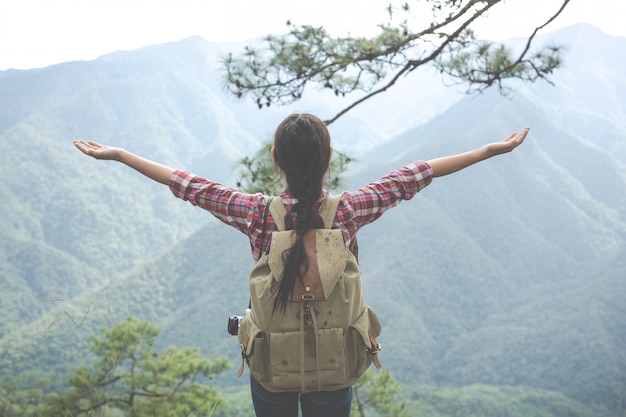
{"x": 277, "y": 71}
{"x": 131, "y": 376}
{"x": 258, "y": 175}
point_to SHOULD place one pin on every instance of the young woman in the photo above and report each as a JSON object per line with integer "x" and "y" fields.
{"x": 302, "y": 152}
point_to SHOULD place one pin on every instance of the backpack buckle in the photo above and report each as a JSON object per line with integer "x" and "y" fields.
{"x": 375, "y": 348}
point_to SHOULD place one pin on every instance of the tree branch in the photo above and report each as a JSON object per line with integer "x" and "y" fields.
{"x": 280, "y": 73}
{"x": 537, "y": 29}
{"x": 413, "y": 64}
{"x": 488, "y": 78}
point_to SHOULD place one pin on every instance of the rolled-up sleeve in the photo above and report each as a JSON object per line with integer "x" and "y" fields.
{"x": 227, "y": 204}
{"x": 371, "y": 201}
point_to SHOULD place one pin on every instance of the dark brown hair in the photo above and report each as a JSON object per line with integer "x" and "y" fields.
{"x": 302, "y": 152}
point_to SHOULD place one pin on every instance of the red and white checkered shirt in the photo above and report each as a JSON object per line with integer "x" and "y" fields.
{"x": 356, "y": 208}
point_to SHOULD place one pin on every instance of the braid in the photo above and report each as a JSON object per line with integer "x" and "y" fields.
{"x": 302, "y": 152}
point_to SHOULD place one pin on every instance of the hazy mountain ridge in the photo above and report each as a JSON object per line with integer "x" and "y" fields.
{"x": 509, "y": 273}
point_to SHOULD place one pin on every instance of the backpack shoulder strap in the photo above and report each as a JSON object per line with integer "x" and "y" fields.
{"x": 329, "y": 210}
{"x": 268, "y": 202}
{"x": 278, "y": 211}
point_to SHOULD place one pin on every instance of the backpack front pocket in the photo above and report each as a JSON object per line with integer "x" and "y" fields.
{"x": 289, "y": 349}
{"x": 255, "y": 348}
{"x": 359, "y": 343}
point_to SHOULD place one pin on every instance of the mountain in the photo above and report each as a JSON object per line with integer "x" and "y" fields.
{"x": 61, "y": 206}
{"x": 589, "y": 98}
{"x": 507, "y": 259}
{"x": 510, "y": 273}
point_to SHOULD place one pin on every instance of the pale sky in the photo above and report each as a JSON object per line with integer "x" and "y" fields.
{"x": 39, "y": 33}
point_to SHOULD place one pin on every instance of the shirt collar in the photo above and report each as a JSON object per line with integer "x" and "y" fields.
{"x": 287, "y": 198}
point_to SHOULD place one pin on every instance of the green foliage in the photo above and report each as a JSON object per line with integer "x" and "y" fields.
{"x": 258, "y": 174}
{"x": 494, "y": 401}
{"x": 238, "y": 403}
{"x": 481, "y": 64}
{"x": 278, "y": 71}
{"x": 379, "y": 395}
{"x": 131, "y": 376}
{"x": 18, "y": 402}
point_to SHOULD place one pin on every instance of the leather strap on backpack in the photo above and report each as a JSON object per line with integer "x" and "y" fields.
{"x": 244, "y": 347}
{"x": 374, "y": 349}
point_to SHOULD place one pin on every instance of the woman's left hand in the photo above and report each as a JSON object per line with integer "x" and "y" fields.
{"x": 508, "y": 144}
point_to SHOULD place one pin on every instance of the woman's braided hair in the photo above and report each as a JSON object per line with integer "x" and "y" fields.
{"x": 302, "y": 152}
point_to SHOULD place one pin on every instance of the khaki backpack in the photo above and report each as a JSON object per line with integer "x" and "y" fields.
{"x": 326, "y": 337}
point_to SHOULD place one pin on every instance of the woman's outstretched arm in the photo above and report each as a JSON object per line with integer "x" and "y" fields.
{"x": 450, "y": 164}
{"x": 153, "y": 170}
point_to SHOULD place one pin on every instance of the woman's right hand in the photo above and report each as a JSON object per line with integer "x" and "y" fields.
{"x": 98, "y": 151}
{"x": 153, "y": 170}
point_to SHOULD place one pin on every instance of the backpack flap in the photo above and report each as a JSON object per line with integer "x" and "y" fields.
{"x": 281, "y": 242}
{"x": 330, "y": 247}
{"x": 321, "y": 278}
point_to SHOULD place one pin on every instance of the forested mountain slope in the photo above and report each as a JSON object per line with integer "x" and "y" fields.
{"x": 510, "y": 273}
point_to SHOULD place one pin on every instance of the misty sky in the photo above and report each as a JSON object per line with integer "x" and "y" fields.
{"x": 38, "y": 33}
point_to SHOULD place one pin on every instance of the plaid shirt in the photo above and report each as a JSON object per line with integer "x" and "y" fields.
{"x": 356, "y": 208}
